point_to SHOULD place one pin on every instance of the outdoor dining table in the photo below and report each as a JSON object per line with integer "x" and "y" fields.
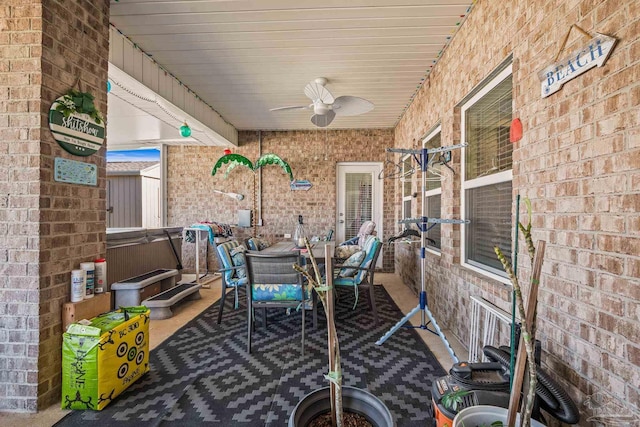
{"x": 288, "y": 246}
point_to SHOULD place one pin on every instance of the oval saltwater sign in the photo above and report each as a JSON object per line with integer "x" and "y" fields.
{"x": 77, "y": 132}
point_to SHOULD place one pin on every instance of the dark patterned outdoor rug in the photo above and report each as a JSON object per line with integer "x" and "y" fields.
{"x": 202, "y": 375}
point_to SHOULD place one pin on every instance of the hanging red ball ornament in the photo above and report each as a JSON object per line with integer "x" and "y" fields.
{"x": 515, "y": 131}
{"x": 227, "y": 151}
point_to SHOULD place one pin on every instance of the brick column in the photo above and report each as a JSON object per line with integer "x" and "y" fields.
{"x": 46, "y": 228}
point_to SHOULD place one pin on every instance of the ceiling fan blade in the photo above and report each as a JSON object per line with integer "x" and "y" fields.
{"x": 293, "y": 107}
{"x": 317, "y": 92}
{"x": 351, "y": 106}
{"x": 323, "y": 120}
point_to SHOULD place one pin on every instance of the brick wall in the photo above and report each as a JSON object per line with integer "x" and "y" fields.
{"x": 46, "y": 228}
{"x": 578, "y": 162}
{"x": 190, "y": 182}
{"x": 20, "y": 77}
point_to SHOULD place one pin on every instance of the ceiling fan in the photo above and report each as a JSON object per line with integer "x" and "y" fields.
{"x": 325, "y": 107}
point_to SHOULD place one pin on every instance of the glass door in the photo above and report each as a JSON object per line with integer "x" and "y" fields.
{"x": 359, "y": 195}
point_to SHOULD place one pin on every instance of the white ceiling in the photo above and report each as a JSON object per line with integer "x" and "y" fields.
{"x": 245, "y": 57}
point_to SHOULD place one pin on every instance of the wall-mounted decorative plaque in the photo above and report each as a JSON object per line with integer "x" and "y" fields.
{"x": 66, "y": 170}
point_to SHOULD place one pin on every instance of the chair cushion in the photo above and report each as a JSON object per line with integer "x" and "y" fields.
{"x": 256, "y": 244}
{"x": 273, "y": 292}
{"x": 371, "y": 246}
{"x": 238, "y": 259}
{"x": 224, "y": 255}
{"x": 344, "y": 252}
{"x": 353, "y": 261}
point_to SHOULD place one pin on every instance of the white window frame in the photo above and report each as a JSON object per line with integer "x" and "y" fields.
{"x": 482, "y": 181}
{"x": 434, "y": 192}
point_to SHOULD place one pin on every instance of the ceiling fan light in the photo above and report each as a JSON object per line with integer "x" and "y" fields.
{"x": 321, "y": 108}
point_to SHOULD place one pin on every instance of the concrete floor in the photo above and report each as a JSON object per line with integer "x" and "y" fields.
{"x": 159, "y": 330}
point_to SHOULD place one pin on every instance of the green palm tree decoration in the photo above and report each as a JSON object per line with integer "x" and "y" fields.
{"x": 239, "y": 160}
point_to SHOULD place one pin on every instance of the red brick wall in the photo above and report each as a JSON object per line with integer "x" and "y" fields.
{"x": 46, "y": 228}
{"x": 578, "y": 162}
{"x": 190, "y": 181}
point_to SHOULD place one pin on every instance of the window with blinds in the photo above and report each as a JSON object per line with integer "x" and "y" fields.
{"x": 487, "y": 174}
{"x": 489, "y": 208}
{"x": 433, "y": 211}
{"x": 408, "y": 172}
{"x": 487, "y": 132}
{"x": 433, "y": 190}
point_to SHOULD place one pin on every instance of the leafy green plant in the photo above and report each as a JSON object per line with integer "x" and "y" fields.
{"x": 75, "y": 101}
{"x": 452, "y": 399}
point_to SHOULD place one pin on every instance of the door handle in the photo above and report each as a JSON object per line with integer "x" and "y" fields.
{"x": 341, "y": 221}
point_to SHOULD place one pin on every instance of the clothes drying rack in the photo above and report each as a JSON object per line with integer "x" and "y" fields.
{"x": 424, "y": 225}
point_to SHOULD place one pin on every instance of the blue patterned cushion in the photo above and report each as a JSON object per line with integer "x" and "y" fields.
{"x": 224, "y": 251}
{"x": 271, "y": 292}
{"x": 353, "y": 261}
{"x": 238, "y": 259}
{"x": 256, "y": 244}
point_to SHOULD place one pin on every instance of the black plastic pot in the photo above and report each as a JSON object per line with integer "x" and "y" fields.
{"x": 353, "y": 400}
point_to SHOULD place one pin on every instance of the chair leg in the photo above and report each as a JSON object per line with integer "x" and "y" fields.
{"x": 249, "y": 326}
{"x": 303, "y": 321}
{"x": 372, "y": 303}
{"x": 224, "y": 294}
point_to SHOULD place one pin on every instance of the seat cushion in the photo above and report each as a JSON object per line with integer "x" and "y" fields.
{"x": 238, "y": 259}
{"x": 276, "y": 292}
{"x": 353, "y": 261}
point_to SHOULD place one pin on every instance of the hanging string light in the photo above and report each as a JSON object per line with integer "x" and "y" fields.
{"x": 185, "y": 130}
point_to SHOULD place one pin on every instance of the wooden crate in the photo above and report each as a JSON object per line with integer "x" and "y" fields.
{"x": 85, "y": 309}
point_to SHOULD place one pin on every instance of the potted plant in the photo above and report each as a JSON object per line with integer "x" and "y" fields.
{"x": 329, "y": 406}
{"x": 487, "y": 415}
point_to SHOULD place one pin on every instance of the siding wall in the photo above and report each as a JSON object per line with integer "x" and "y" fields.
{"x": 150, "y": 202}
{"x": 125, "y": 197}
{"x": 579, "y": 163}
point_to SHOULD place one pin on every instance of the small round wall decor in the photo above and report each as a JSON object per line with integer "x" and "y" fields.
{"x": 76, "y": 124}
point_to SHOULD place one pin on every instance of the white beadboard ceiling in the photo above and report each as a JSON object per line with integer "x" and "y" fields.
{"x": 245, "y": 57}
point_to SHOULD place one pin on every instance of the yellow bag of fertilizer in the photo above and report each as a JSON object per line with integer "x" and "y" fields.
{"x": 101, "y": 359}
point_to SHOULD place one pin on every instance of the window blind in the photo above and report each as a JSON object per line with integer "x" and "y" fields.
{"x": 489, "y": 209}
{"x": 358, "y": 188}
{"x": 433, "y": 211}
{"x": 433, "y": 171}
{"x": 487, "y": 132}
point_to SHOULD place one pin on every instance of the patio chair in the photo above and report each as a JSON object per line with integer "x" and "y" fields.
{"x": 368, "y": 228}
{"x": 232, "y": 269}
{"x": 358, "y": 271}
{"x": 272, "y": 282}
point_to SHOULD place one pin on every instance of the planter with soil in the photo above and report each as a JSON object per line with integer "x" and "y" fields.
{"x": 308, "y": 412}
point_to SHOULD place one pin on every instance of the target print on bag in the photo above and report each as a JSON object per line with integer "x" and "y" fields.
{"x": 140, "y": 357}
{"x": 122, "y": 349}
{"x": 139, "y": 338}
{"x": 122, "y": 371}
{"x": 132, "y": 353}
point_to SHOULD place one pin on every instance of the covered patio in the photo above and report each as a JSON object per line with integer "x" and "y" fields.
{"x": 450, "y": 73}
